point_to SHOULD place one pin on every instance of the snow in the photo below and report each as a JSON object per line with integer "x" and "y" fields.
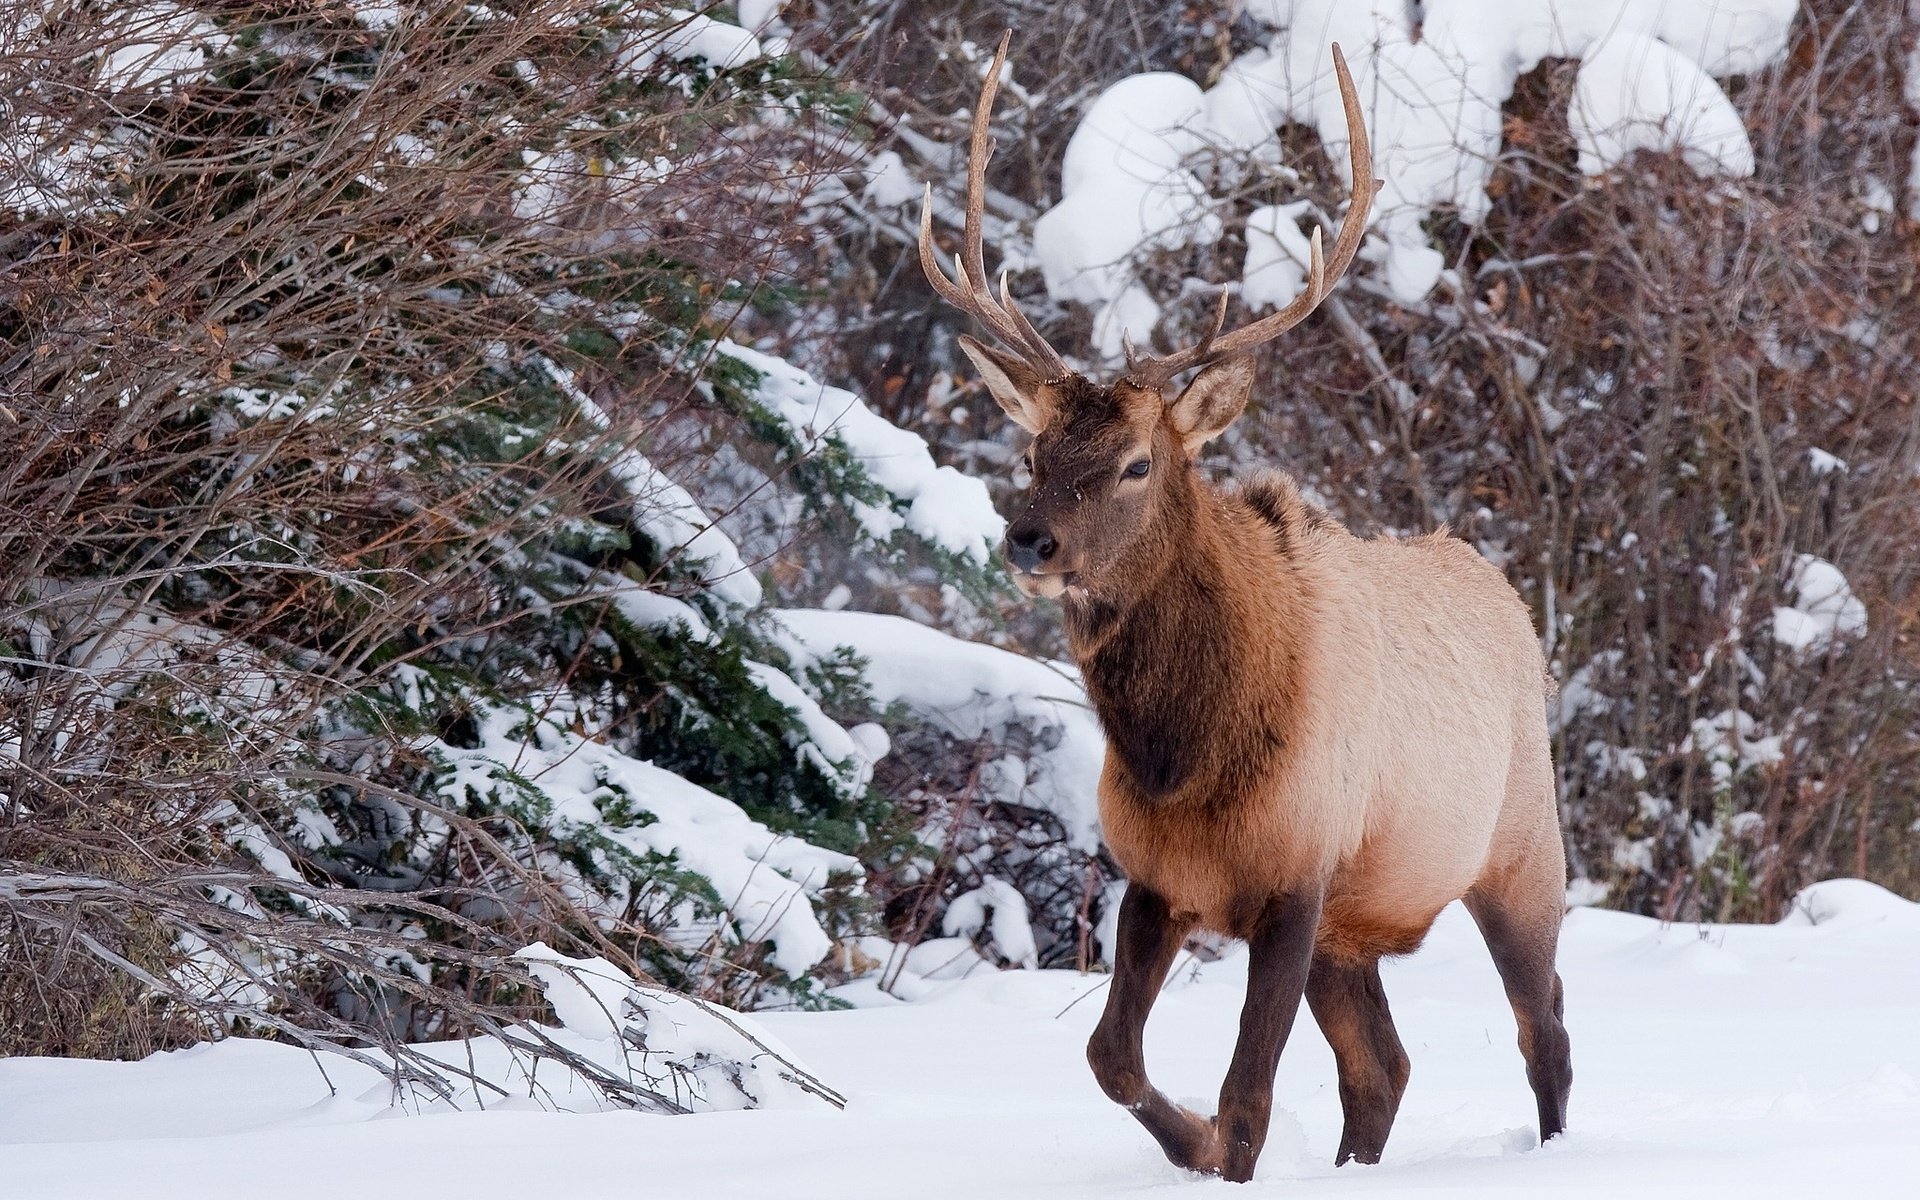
{"x": 159, "y": 45}
{"x": 1823, "y": 462}
{"x": 1432, "y": 79}
{"x": 1824, "y": 608}
{"x": 998, "y": 908}
{"x": 1751, "y": 1061}
{"x": 766, "y": 881}
{"x": 688, "y": 37}
{"x": 1637, "y": 93}
{"x": 700, "y": 1056}
{"x": 970, "y": 691}
{"x": 376, "y": 14}
{"x": 944, "y": 507}
{"x": 663, "y": 510}
{"x": 1123, "y": 189}
{"x": 1278, "y": 255}
{"x": 757, "y": 15}
{"x": 889, "y": 183}
{"x": 1911, "y": 77}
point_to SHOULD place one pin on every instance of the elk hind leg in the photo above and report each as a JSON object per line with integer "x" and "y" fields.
{"x": 1350, "y": 1006}
{"x": 1520, "y": 919}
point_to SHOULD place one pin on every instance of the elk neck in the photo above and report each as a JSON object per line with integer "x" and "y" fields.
{"x": 1191, "y": 646}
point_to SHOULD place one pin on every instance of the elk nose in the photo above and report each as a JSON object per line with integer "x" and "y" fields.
{"x": 1029, "y": 545}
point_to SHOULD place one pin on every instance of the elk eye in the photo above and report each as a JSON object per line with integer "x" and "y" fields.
{"x": 1137, "y": 470}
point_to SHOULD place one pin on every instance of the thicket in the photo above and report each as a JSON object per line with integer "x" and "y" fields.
{"x": 368, "y": 412}
{"x": 354, "y": 360}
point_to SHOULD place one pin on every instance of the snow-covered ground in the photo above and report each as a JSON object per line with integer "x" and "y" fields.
{"x": 1751, "y": 1061}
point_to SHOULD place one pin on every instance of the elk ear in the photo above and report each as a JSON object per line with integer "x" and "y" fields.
{"x": 1013, "y": 383}
{"x": 1214, "y": 400}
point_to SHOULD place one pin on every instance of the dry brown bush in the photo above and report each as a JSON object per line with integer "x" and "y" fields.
{"x": 254, "y": 461}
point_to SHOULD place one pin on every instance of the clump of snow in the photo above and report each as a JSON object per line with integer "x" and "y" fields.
{"x": 1851, "y": 901}
{"x": 1877, "y": 201}
{"x": 1580, "y": 694}
{"x": 1123, "y": 189}
{"x": 376, "y": 14}
{"x": 651, "y": 610}
{"x": 943, "y": 506}
{"x": 698, "y": 1056}
{"x": 1638, "y": 93}
{"x": 687, "y": 36}
{"x": 1278, "y": 255}
{"x": 1733, "y": 744}
{"x": 1432, "y": 79}
{"x": 998, "y": 908}
{"x": 1911, "y": 76}
{"x": 889, "y": 182}
{"x": 971, "y": 691}
{"x": 757, "y": 16}
{"x": 1824, "y": 608}
{"x": 665, "y": 512}
{"x": 766, "y": 881}
{"x": 1823, "y": 463}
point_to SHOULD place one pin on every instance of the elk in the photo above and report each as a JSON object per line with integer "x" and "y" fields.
{"x": 1315, "y": 741}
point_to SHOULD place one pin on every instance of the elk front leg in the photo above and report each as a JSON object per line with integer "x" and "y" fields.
{"x": 1149, "y": 936}
{"x": 1280, "y": 948}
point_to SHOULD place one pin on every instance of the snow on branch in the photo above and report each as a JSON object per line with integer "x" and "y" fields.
{"x": 697, "y": 1056}
{"x": 969, "y": 690}
{"x": 577, "y": 786}
{"x": 1434, "y": 78}
{"x": 943, "y": 507}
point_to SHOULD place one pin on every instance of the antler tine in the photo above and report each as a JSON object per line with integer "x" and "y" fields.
{"x": 971, "y": 292}
{"x": 1321, "y": 273}
{"x": 1219, "y": 321}
{"x": 1360, "y": 158}
{"x": 936, "y": 274}
{"x": 979, "y": 150}
{"x": 1029, "y": 340}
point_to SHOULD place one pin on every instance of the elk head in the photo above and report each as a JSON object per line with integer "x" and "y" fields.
{"x": 1105, "y": 458}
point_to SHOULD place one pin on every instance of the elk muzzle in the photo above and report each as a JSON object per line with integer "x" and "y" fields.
{"x": 1030, "y": 545}
{"x": 1033, "y": 552}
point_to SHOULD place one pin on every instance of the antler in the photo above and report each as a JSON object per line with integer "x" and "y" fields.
{"x": 971, "y": 294}
{"x": 1154, "y": 372}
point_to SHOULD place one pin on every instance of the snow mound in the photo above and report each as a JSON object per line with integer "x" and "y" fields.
{"x": 1122, "y": 190}
{"x": 698, "y": 1056}
{"x": 689, "y": 36}
{"x": 970, "y": 690}
{"x": 1851, "y": 902}
{"x": 1432, "y": 79}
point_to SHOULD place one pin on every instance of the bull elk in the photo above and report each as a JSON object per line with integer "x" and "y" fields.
{"x": 1315, "y": 742}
